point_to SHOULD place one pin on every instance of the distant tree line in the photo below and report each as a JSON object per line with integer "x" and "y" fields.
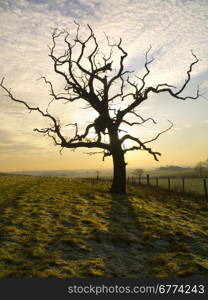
{"x": 171, "y": 168}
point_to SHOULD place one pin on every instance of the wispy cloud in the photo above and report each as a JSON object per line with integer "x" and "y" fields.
{"x": 187, "y": 125}
{"x": 173, "y": 28}
{"x": 13, "y": 142}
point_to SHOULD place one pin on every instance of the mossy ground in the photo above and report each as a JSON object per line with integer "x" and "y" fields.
{"x": 59, "y": 227}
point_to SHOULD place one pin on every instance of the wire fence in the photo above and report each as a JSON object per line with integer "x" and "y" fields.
{"x": 179, "y": 184}
{"x": 193, "y": 185}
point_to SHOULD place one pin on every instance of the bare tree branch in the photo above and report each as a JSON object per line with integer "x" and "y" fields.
{"x": 57, "y": 96}
{"x": 138, "y": 123}
{"x": 147, "y": 62}
{"x": 141, "y": 147}
{"x": 157, "y": 136}
{"x": 55, "y": 128}
{"x": 142, "y": 144}
{"x": 188, "y": 74}
{"x": 92, "y": 76}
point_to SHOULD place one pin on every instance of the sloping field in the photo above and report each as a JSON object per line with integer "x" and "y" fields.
{"x": 59, "y": 227}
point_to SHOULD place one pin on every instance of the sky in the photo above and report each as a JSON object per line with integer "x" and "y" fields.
{"x": 172, "y": 28}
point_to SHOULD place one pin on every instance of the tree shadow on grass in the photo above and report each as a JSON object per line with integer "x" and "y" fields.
{"x": 94, "y": 250}
{"x": 92, "y": 233}
{"x": 94, "y": 237}
{"x": 142, "y": 241}
{"x": 124, "y": 251}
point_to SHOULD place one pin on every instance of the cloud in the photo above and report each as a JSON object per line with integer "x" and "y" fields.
{"x": 13, "y": 142}
{"x": 174, "y": 131}
{"x": 5, "y": 137}
{"x": 187, "y": 125}
{"x": 173, "y": 28}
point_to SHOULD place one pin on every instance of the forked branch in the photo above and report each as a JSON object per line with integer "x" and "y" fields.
{"x": 54, "y": 131}
{"x": 142, "y": 145}
{"x": 93, "y": 76}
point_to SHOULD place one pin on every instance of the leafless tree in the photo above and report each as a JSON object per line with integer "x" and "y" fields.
{"x": 91, "y": 76}
{"x": 201, "y": 167}
{"x": 138, "y": 172}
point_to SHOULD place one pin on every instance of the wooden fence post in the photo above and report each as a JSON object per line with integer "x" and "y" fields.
{"x": 132, "y": 180}
{"x": 148, "y": 179}
{"x": 183, "y": 185}
{"x": 205, "y": 188}
{"x": 169, "y": 183}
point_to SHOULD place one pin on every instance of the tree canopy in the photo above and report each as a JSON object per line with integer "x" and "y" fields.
{"x": 99, "y": 78}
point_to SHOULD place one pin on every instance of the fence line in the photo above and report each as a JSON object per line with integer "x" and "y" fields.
{"x": 180, "y": 184}
{"x": 205, "y": 187}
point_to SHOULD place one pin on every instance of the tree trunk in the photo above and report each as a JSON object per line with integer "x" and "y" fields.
{"x": 119, "y": 171}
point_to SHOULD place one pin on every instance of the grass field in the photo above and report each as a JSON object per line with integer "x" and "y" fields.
{"x": 61, "y": 227}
